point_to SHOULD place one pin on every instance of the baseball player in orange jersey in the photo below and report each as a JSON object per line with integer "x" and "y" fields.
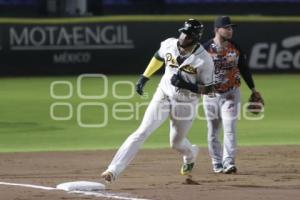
{"x": 222, "y": 108}
{"x": 185, "y": 60}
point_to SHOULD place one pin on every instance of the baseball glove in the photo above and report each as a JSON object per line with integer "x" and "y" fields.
{"x": 256, "y": 103}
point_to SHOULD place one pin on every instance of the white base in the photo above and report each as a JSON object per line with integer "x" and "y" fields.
{"x": 81, "y": 186}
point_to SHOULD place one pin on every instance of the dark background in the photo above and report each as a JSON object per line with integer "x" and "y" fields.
{"x": 35, "y": 8}
{"x": 148, "y": 34}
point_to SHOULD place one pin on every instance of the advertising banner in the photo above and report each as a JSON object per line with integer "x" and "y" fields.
{"x": 118, "y": 47}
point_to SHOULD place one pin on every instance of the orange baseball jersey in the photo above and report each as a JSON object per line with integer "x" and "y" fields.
{"x": 230, "y": 63}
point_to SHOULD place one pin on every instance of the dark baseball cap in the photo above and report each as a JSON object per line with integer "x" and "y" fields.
{"x": 223, "y": 21}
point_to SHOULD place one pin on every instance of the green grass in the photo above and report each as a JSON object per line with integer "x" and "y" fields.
{"x": 26, "y": 125}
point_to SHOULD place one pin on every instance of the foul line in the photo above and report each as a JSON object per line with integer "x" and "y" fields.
{"x": 96, "y": 194}
{"x": 28, "y": 186}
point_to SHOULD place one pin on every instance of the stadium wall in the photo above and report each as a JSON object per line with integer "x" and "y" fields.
{"x": 124, "y": 44}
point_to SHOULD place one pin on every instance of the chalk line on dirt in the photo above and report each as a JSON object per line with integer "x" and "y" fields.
{"x": 96, "y": 194}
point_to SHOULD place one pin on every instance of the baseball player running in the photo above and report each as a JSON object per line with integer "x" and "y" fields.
{"x": 222, "y": 108}
{"x": 185, "y": 59}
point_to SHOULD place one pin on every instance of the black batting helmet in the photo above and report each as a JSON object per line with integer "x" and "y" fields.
{"x": 193, "y": 28}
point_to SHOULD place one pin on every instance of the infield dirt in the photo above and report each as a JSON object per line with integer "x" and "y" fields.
{"x": 271, "y": 172}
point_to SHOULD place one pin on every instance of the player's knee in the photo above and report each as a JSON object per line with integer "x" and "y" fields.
{"x": 229, "y": 133}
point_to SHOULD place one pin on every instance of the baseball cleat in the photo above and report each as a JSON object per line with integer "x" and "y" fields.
{"x": 218, "y": 168}
{"x": 108, "y": 176}
{"x": 186, "y": 169}
{"x": 230, "y": 169}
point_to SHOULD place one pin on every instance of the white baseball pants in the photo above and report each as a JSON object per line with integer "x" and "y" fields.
{"x": 160, "y": 108}
{"x": 222, "y": 110}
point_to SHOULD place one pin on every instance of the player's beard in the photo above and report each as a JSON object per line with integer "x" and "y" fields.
{"x": 224, "y": 38}
{"x": 186, "y": 41}
{"x": 187, "y": 45}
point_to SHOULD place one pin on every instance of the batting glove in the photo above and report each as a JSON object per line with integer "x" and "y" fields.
{"x": 179, "y": 82}
{"x": 140, "y": 85}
